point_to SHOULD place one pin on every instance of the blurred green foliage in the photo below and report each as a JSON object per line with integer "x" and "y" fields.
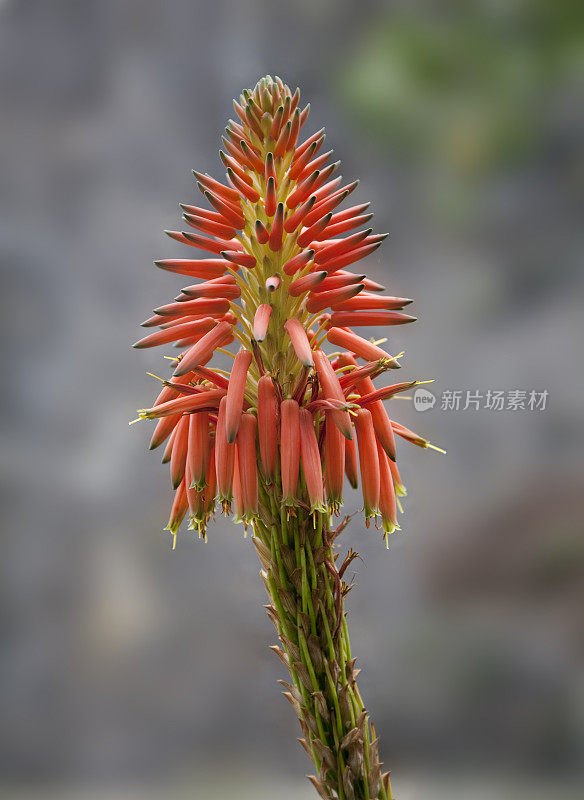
{"x": 472, "y": 85}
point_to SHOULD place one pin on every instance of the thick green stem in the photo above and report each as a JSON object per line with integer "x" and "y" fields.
{"x": 307, "y": 608}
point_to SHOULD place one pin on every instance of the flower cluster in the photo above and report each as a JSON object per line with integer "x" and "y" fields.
{"x": 289, "y": 421}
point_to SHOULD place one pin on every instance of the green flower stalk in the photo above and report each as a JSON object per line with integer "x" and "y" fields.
{"x": 275, "y": 437}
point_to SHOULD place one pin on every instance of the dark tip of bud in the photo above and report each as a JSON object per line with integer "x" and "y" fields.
{"x": 407, "y": 301}
{"x": 137, "y": 345}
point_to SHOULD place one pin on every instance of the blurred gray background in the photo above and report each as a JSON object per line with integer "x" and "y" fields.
{"x": 128, "y": 670}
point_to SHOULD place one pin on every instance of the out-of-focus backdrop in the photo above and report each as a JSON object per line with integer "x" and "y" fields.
{"x": 128, "y": 670}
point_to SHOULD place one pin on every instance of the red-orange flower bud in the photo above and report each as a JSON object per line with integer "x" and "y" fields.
{"x": 275, "y": 240}
{"x": 261, "y": 321}
{"x": 182, "y": 405}
{"x": 305, "y": 284}
{"x": 370, "y": 318}
{"x": 202, "y": 351}
{"x": 188, "y": 330}
{"x": 320, "y": 300}
{"x": 235, "y": 393}
{"x": 202, "y": 268}
{"x": 300, "y": 342}
{"x": 356, "y": 344}
{"x": 332, "y": 389}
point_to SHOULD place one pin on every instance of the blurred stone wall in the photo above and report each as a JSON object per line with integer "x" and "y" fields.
{"x": 122, "y": 660}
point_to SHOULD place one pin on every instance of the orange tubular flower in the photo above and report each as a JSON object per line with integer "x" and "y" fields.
{"x": 235, "y": 393}
{"x": 277, "y": 240}
{"x": 237, "y": 489}
{"x": 368, "y": 462}
{"x": 334, "y": 460}
{"x": 387, "y": 500}
{"x": 178, "y": 458}
{"x": 248, "y": 471}
{"x": 198, "y": 445}
{"x": 311, "y": 462}
{"x": 352, "y": 463}
{"x": 289, "y": 449}
{"x": 268, "y": 427}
